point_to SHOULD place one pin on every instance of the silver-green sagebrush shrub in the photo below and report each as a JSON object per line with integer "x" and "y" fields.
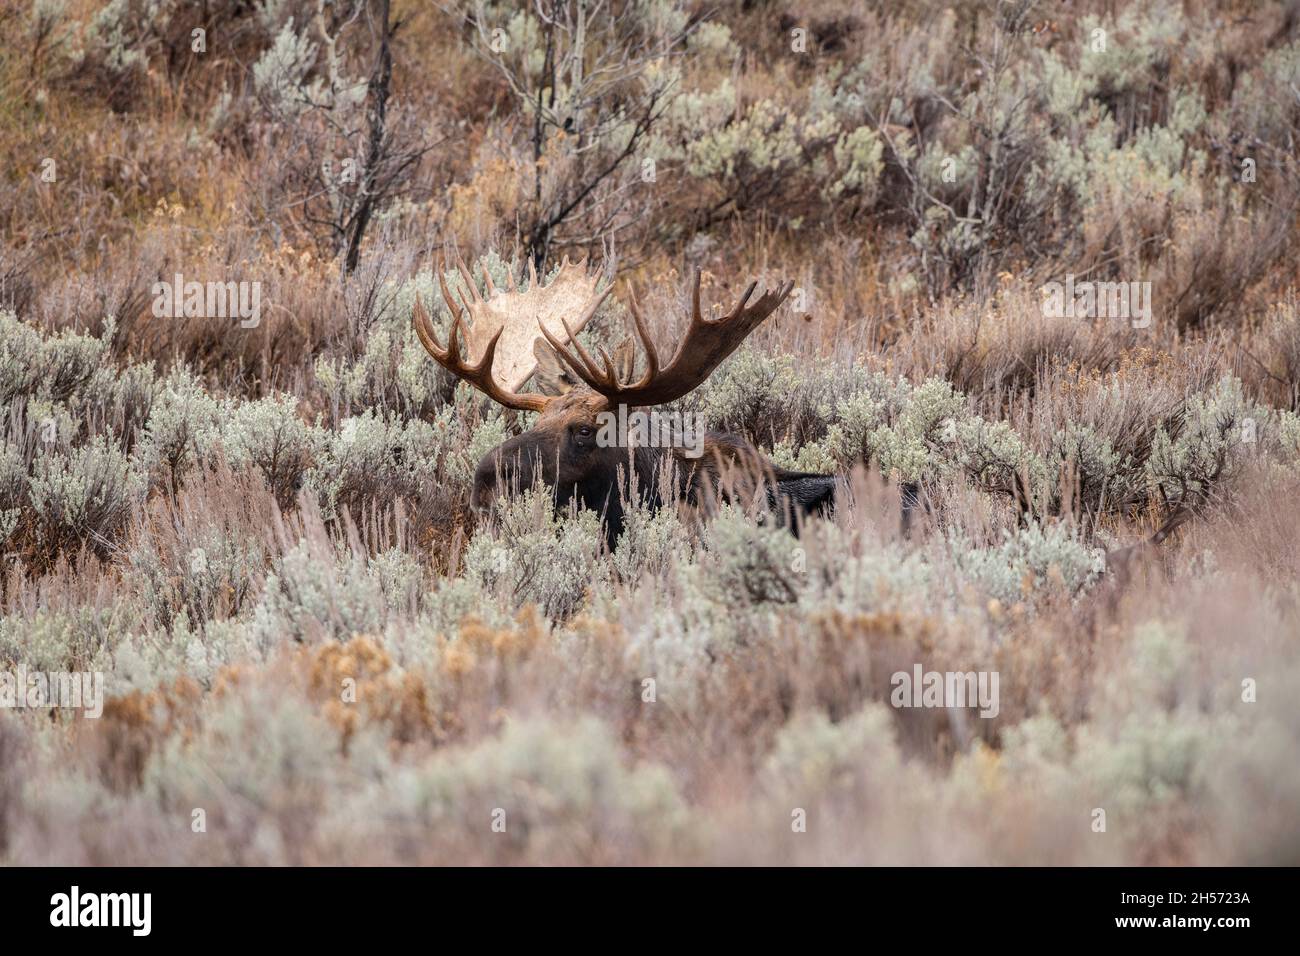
{"x": 813, "y": 758}
{"x": 313, "y": 592}
{"x": 528, "y": 554}
{"x": 749, "y": 563}
{"x": 374, "y": 457}
{"x": 392, "y": 372}
{"x": 1030, "y": 560}
{"x": 202, "y": 573}
{"x": 269, "y": 434}
{"x": 1216, "y": 432}
{"x": 550, "y": 789}
{"x": 13, "y": 489}
{"x": 82, "y": 497}
{"x": 183, "y": 429}
{"x": 68, "y": 639}
{"x": 844, "y": 576}
{"x": 400, "y": 577}
{"x": 1153, "y": 745}
{"x": 274, "y": 753}
{"x": 652, "y": 542}
{"x": 50, "y": 366}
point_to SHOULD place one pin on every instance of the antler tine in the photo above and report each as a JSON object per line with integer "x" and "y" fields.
{"x": 587, "y": 360}
{"x": 704, "y": 346}
{"x": 484, "y": 367}
{"x": 424, "y": 331}
{"x": 609, "y": 365}
{"x": 749, "y": 290}
{"x": 582, "y": 364}
{"x": 469, "y": 280}
{"x": 453, "y": 337}
{"x": 651, "y": 353}
{"x": 446, "y": 297}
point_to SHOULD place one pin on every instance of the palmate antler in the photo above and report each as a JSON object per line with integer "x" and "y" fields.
{"x": 702, "y": 349}
{"x": 503, "y": 328}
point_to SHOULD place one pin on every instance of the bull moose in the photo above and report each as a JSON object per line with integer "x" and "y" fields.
{"x": 514, "y": 332}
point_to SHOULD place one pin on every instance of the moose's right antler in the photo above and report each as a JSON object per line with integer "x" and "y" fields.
{"x": 706, "y": 343}
{"x": 499, "y": 343}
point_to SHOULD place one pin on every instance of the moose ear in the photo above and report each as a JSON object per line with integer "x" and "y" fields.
{"x": 552, "y": 376}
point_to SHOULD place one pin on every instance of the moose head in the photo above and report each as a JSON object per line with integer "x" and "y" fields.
{"x": 573, "y": 447}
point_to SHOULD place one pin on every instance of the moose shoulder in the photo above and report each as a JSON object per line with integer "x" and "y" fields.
{"x": 580, "y": 446}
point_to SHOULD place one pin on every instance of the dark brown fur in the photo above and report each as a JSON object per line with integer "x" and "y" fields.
{"x": 561, "y": 450}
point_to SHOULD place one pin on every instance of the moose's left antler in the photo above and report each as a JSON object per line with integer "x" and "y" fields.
{"x": 706, "y": 343}
{"x": 499, "y": 332}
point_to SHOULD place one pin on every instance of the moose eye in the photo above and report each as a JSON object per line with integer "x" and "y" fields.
{"x": 584, "y": 431}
